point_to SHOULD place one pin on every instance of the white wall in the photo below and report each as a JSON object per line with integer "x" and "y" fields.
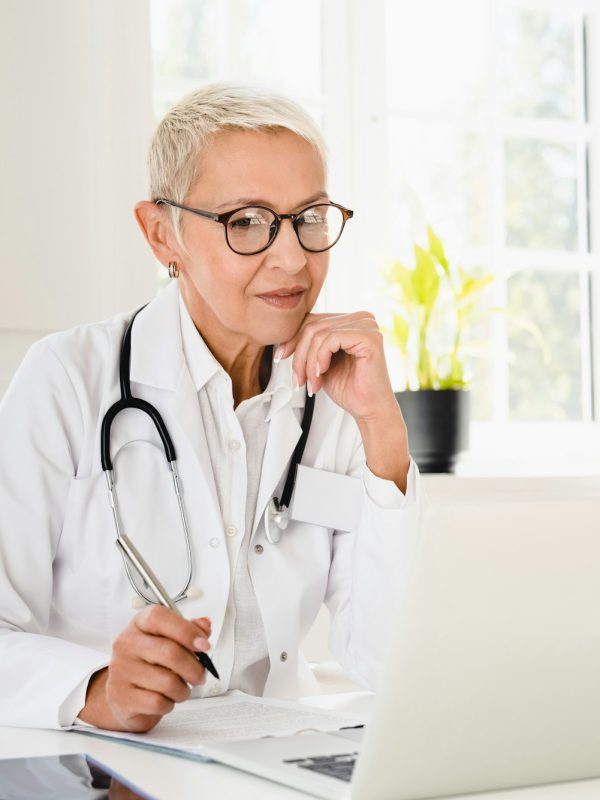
{"x": 75, "y": 83}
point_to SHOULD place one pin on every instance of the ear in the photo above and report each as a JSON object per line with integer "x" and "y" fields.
{"x": 156, "y": 227}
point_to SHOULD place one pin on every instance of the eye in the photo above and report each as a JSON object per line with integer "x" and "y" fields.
{"x": 313, "y": 216}
{"x": 247, "y": 218}
{"x": 241, "y": 222}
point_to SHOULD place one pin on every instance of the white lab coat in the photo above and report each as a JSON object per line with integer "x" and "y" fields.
{"x": 64, "y": 596}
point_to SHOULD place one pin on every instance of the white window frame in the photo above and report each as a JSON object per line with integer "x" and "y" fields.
{"x": 355, "y": 120}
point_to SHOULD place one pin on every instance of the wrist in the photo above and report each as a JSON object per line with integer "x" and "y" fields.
{"x": 96, "y": 710}
{"x": 385, "y": 442}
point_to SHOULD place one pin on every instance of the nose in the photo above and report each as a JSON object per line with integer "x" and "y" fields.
{"x": 286, "y": 252}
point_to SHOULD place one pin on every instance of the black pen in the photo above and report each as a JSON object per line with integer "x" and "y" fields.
{"x": 142, "y": 566}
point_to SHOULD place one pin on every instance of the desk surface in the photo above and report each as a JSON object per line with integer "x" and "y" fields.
{"x": 168, "y": 777}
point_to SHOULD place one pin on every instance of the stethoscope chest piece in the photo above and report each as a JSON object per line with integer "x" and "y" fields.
{"x": 276, "y": 520}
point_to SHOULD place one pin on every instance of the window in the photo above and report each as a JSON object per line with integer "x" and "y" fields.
{"x": 474, "y": 116}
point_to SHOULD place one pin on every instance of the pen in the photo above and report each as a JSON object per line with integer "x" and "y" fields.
{"x": 142, "y": 566}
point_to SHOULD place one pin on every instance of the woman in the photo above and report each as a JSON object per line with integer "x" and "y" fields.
{"x": 228, "y": 354}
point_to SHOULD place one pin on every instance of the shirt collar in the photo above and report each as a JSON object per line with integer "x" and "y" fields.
{"x": 203, "y": 367}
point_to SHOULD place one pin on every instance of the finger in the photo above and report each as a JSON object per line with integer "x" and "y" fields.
{"x": 357, "y": 344}
{"x": 158, "y": 679}
{"x": 160, "y": 651}
{"x": 285, "y": 349}
{"x": 312, "y": 367}
{"x": 132, "y": 701}
{"x": 318, "y": 325}
{"x": 347, "y": 335}
{"x": 204, "y": 625}
{"x": 159, "y": 621}
{"x": 302, "y": 346}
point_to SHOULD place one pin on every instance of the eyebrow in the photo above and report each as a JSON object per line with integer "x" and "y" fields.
{"x": 259, "y": 201}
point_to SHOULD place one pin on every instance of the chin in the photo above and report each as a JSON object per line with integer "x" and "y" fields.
{"x": 276, "y": 334}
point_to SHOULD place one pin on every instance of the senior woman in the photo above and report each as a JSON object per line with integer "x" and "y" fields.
{"x": 229, "y": 354}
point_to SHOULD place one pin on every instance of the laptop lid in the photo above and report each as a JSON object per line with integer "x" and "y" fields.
{"x": 493, "y": 677}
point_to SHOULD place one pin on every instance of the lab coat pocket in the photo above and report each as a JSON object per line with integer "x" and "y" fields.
{"x": 327, "y": 499}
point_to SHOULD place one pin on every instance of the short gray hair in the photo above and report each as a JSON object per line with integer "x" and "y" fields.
{"x": 189, "y": 126}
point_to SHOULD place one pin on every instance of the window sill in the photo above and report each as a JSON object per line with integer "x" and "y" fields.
{"x": 493, "y": 485}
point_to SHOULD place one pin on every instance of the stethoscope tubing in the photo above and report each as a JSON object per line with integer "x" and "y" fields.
{"x": 277, "y": 510}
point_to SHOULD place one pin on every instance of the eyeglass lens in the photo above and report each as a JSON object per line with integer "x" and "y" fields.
{"x": 252, "y": 229}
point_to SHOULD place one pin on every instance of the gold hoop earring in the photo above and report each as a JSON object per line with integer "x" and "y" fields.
{"x": 173, "y": 269}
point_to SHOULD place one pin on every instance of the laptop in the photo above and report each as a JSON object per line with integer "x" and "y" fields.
{"x": 492, "y": 677}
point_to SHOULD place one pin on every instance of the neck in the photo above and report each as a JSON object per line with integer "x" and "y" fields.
{"x": 248, "y": 364}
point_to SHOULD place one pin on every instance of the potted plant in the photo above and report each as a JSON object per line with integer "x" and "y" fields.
{"x": 436, "y": 304}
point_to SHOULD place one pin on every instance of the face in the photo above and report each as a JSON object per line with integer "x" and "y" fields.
{"x": 236, "y": 295}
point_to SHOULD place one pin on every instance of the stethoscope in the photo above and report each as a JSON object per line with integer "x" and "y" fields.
{"x": 276, "y": 517}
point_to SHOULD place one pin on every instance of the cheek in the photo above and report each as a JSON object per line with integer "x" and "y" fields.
{"x": 220, "y": 279}
{"x": 317, "y": 267}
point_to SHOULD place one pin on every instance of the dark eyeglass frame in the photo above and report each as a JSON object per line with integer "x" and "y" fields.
{"x": 224, "y": 219}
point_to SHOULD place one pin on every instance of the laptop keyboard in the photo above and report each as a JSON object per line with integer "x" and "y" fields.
{"x": 339, "y": 766}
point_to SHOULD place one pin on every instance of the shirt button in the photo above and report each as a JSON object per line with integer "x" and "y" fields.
{"x": 231, "y": 530}
{"x": 214, "y": 690}
{"x": 258, "y": 548}
{"x": 283, "y": 656}
{"x": 214, "y": 542}
{"x": 234, "y": 444}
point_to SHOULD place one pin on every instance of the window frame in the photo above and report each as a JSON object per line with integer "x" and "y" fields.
{"x": 358, "y": 112}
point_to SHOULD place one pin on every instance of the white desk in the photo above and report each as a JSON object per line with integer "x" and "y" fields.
{"x": 171, "y": 778}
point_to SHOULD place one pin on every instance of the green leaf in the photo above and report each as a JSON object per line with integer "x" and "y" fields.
{"x": 401, "y": 332}
{"x": 470, "y": 286}
{"x": 401, "y": 277}
{"x": 425, "y": 279}
{"x": 436, "y": 248}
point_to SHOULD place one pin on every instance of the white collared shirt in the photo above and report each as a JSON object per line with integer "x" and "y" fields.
{"x": 236, "y": 441}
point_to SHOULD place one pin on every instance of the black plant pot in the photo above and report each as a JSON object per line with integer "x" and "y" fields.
{"x": 438, "y": 426}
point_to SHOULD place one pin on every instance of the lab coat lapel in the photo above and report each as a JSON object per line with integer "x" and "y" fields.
{"x": 186, "y": 411}
{"x": 157, "y": 360}
{"x": 284, "y": 432}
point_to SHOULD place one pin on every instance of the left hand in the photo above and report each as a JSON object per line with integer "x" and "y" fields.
{"x": 343, "y": 354}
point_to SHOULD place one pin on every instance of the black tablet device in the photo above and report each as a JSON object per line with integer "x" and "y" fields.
{"x": 72, "y": 777}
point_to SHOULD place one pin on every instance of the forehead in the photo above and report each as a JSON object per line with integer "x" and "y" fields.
{"x": 276, "y": 166}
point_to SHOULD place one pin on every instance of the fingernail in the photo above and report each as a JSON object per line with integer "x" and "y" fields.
{"x": 309, "y": 388}
{"x": 318, "y": 370}
{"x": 201, "y": 644}
{"x": 278, "y": 355}
{"x": 295, "y": 384}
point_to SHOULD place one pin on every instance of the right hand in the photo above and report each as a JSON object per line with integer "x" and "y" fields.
{"x": 152, "y": 667}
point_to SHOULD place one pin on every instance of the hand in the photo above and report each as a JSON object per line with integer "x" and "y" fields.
{"x": 152, "y": 667}
{"x": 343, "y": 354}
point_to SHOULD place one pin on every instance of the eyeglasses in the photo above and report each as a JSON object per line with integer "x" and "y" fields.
{"x": 251, "y": 229}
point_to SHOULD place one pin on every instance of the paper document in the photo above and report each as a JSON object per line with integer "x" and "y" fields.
{"x": 228, "y": 717}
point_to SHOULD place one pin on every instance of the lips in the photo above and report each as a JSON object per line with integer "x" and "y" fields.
{"x": 285, "y": 297}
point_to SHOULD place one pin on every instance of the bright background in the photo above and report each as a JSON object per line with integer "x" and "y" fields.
{"x": 479, "y": 117}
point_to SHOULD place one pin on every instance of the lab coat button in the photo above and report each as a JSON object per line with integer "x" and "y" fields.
{"x": 258, "y": 548}
{"x": 234, "y": 444}
{"x": 214, "y": 542}
{"x": 231, "y": 530}
{"x": 284, "y": 656}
